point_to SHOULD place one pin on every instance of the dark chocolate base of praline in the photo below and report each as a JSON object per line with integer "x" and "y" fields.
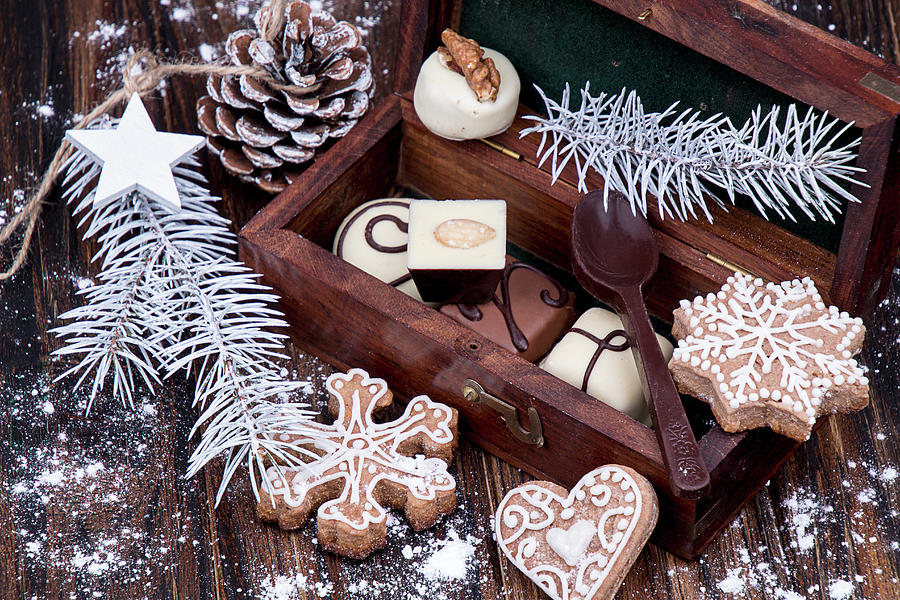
{"x": 468, "y": 286}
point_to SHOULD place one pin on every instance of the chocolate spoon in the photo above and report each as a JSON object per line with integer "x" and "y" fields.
{"x": 614, "y": 255}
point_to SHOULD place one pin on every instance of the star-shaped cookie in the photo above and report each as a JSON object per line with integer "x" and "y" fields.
{"x": 769, "y": 354}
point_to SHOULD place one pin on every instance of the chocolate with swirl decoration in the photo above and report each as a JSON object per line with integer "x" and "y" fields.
{"x": 526, "y": 314}
{"x": 593, "y": 356}
{"x": 373, "y": 238}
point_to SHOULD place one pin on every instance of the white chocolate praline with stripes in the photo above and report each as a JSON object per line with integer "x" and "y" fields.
{"x": 769, "y": 354}
{"x": 358, "y": 467}
{"x": 594, "y": 355}
{"x": 373, "y": 237}
{"x": 578, "y": 545}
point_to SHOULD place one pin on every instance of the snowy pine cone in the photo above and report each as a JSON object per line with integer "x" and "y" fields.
{"x": 263, "y": 134}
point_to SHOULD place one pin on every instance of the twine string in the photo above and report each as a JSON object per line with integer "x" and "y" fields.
{"x": 142, "y": 73}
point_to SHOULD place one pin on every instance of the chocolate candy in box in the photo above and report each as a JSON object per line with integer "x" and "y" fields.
{"x": 705, "y": 54}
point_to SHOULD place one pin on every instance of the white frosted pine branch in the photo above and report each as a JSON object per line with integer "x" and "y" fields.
{"x": 681, "y": 158}
{"x": 171, "y": 297}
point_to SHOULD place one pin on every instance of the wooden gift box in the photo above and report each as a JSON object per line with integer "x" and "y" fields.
{"x": 528, "y": 417}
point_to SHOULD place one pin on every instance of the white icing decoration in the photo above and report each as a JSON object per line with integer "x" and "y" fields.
{"x": 772, "y": 328}
{"x": 355, "y": 445}
{"x": 531, "y": 511}
{"x": 571, "y": 543}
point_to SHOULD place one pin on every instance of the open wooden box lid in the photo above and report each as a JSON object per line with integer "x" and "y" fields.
{"x": 791, "y": 60}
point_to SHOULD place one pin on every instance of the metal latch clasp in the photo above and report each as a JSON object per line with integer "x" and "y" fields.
{"x": 473, "y": 392}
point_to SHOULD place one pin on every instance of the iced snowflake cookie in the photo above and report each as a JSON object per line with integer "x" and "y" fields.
{"x": 768, "y": 354}
{"x": 578, "y": 545}
{"x": 364, "y": 466}
{"x": 464, "y": 91}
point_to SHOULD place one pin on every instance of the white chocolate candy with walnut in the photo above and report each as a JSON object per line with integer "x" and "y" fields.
{"x": 449, "y": 108}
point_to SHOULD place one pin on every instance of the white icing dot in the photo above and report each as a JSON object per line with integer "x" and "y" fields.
{"x": 810, "y": 412}
{"x": 629, "y": 497}
{"x": 567, "y": 513}
{"x": 723, "y": 387}
{"x": 776, "y": 395}
{"x": 437, "y": 413}
{"x": 276, "y": 484}
{"x": 359, "y": 444}
{"x": 580, "y": 495}
{"x": 624, "y": 485}
{"x": 629, "y": 510}
{"x": 284, "y": 437}
{"x": 705, "y": 365}
{"x": 720, "y": 295}
{"x": 698, "y": 332}
{"x": 373, "y": 389}
{"x": 371, "y": 469}
{"x": 734, "y": 404}
{"x": 712, "y": 327}
{"x": 617, "y": 537}
{"x": 604, "y": 475}
{"x": 535, "y": 515}
{"x": 695, "y": 361}
{"x": 754, "y": 397}
{"x": 616, "y": 477}
{"x": 338, "y": 384}
{"x": 846, "y": 354}
{"x": 684, "y": 304}
{"x": 589, "y": 480}
{"x": 839, "y": 380}
{"x": 715, "y": 369}
{"x": 864, "y": 381}
{"x": 720, "y": 377}
{"x": 595, "y": 575}
{"x": 623, "y": 524}
{"x": 510, "y": 519}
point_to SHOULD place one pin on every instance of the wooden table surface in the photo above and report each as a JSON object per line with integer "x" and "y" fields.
{"x": 97, "y": 506}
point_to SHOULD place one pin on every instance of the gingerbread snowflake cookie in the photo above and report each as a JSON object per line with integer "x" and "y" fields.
{"x": 364, "y": 466}
{"x": 578, "y": 545}
{"x": 769, "y": 354}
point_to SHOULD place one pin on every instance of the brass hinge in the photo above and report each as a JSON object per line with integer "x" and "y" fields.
{"x": 731, "y": 266}
{"x": 501, "y": 149}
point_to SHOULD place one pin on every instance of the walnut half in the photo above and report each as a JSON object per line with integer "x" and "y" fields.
{"x": 466, "y": 57}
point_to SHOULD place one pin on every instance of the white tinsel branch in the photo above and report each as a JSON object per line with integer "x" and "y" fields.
{"x": 171, "y": 297}
{"x": 680, "y": 158}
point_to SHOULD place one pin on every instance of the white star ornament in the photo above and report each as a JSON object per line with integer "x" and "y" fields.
{"x": 135, "y": 156}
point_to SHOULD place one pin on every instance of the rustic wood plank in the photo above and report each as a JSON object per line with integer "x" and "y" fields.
{"x": 234, "y": 553}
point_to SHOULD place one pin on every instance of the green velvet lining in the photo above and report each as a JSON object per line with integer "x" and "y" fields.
{"x": 552, "y": 42}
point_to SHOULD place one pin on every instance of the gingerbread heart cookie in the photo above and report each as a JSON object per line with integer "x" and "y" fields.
{"x": 578, "y": 545}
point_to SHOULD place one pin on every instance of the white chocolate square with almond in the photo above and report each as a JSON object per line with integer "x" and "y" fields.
{"x": 457, "y": 234}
